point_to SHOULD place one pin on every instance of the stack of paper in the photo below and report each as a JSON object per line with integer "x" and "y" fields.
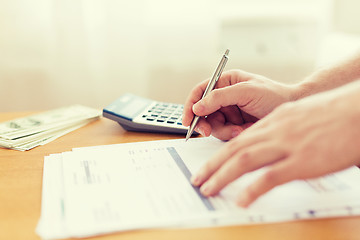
{"x": 32, "y": 131}
{"x": 104, "y": 189}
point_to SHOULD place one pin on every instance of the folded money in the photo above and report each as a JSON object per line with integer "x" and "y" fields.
{"x": 38, "y": 129}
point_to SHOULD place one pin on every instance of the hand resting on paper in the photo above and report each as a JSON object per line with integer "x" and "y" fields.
{"x": 298, "y": 131}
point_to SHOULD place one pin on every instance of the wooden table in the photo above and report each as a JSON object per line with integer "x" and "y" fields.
{"x": 21, "y": 180}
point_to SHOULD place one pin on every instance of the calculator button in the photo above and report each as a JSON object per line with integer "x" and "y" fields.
{"x": 160, "y": 120}
{"x": 171, "y": 122}
{"x": 179, "y": 123}
{"x": 150, "y": 119}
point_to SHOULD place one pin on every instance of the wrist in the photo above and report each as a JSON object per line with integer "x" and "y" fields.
{"x": 301, "y": 90}
{"x": 315, "y": 83}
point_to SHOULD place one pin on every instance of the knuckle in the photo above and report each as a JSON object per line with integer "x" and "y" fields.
{"x": 243, "y": 160}
{"x": 215, "y": 94}
{"x": 271, "y": 177}
{"x": 208, "y": 166}
{"x": 214, "y": 98}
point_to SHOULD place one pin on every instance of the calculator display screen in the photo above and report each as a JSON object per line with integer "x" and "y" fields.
{"x": 128, "y": 106}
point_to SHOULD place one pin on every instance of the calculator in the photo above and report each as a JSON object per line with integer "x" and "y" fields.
{"x": 140, "y": 114}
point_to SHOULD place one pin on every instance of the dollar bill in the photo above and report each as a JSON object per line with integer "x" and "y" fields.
{"x": 26, "y": 126}
{"x": 48, "y": 138}
{"x": 35, "y": 130}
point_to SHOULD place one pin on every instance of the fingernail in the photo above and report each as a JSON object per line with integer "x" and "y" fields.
{"x": 243, "y": 200}
{"x": 195, "y": 180}
{"x": 205, "y": 190}
{"x": 201, "y": 131}
{"x": 235, "y": 133}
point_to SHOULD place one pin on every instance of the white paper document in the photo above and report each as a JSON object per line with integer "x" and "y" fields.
{"x": 102, "y": 189}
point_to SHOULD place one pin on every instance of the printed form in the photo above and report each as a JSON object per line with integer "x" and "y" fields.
{"x": 103, "y": 189}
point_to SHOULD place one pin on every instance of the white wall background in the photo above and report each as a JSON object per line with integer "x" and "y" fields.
{"x": 59, "y": 52}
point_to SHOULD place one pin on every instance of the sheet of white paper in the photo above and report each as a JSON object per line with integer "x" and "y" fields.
{"x": 51, "y": 224}
{"x": 141, "y": 185}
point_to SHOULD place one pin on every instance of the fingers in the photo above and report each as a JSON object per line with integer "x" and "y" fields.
{"x": 203, "y": 127}
{"x": 247, "y": 160}
{"x": 279, "y": 173}
{"x": 232, "y": 114}
{"x": 194, "y": 97}
{"x": 225, "y": 153}
{"x": 215, "y": 100}
{"x": 218, "y": 125}
{"x": 223, "y": 128}
{"x": 227, "y": 79}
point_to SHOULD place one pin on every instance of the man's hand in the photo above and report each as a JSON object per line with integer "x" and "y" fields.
{"x": 238, "y": 101}
{"x": 298, "y": 140}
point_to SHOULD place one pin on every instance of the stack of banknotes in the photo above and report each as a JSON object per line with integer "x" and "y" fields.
{"x": 26, "y": 133}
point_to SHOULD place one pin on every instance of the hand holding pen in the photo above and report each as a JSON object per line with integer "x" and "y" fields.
{"x": 239, "y": 100}
{"x": 209, "y": 88}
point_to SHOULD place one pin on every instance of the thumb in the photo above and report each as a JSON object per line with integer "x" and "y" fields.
{"x": 218, "y": 98}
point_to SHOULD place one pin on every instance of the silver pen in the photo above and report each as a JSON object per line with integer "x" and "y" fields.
{"x": 208, "y": 89}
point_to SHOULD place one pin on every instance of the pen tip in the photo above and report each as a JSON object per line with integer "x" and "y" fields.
{"x": 227, "y": 52}
{"x": 188, "y": 135}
